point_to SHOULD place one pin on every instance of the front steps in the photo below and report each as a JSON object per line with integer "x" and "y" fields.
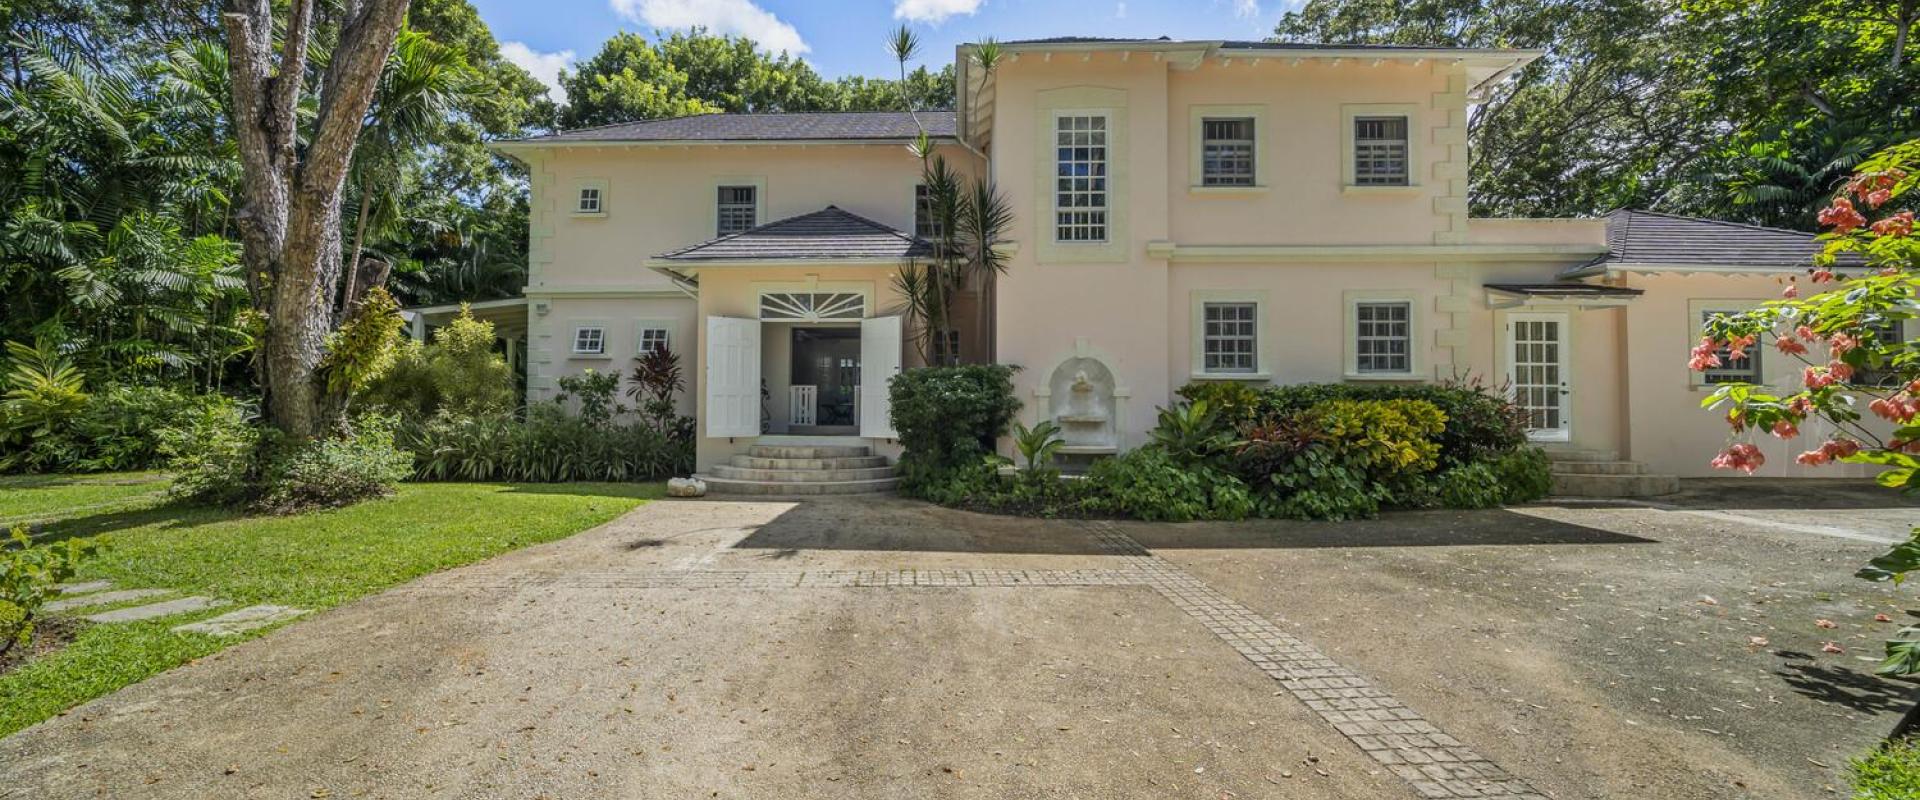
{"x": 803, "y": 469}
{"x": 1595, "y": 473}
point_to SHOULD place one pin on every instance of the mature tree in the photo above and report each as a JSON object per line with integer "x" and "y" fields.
{"x": 289, "y": 215}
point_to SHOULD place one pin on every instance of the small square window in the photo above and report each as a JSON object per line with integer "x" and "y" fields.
{"x": 589, "y": 341}
{"x": 1745, "y": 370}
{"x": 1383, "y": 338}
{"x": 1229, "y": 337}
{"x": 1226, "y": 152}
{"x": 589, "y": 202}
{"x": 1380, "y": 151}
{"x": 738, "y": 209}
{"x": 652, "y": 339}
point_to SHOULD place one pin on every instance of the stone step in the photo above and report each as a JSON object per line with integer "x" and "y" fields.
{"x": 730, "y": 486}
{"x": 83, "y": 587}
{"x": 1572, "y": 485}
{"x": 808, "y": 451}
{"x": 846, "y": 462}
{"x": 242, "y": 620}
{"x": 102, "y": 599}
{"x": 165, "y": 608}
{"x": 802, "y": 475}
{"x": 1582, "y": 455}
{"x": 1599, "y": 468}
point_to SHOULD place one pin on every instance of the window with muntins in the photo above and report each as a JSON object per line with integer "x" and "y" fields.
{"x": 926, "y": 224}
{"x": 1226, "y": 152}
{"x": 1383, "y": 337}
{"x": 946, "y": 348}
{"x": 1080, "y": 187}
{"x": 1230, "y": 336}
{"x": 589, "y": 341}
{"x": 1745, "y": 370}
{"x": 738, "y": 209}
{"x": 652, "y": 339}
{"x": 589, "y": 200}
{"x": 1380, "y": 151}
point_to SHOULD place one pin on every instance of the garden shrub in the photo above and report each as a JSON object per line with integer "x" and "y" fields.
{"x": 336, "y": 471}
{"x": 458, "y": 372}
{"x": 1380, "y": 438}
{"x": 211, "y": 456}
{"x": 110, "y": 430}
{"x": 948, "y": 419}
{"x": 1148, "y": 483}
{"x": 1890, "y": 772}
{"x": 1315, "y": 484}
{"x": 1526, "y": 474}
{"x": 1475, "y": 485}
{"x": 1192, "y": 434}
{"x": 548, "y": 446}
{"x": 28, "y": 573}
{"x": 1237, "y": 404}
{"x": 1480, "y": 422}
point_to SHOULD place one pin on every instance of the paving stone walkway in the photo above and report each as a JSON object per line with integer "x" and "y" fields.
{"x": 87, "y": 594}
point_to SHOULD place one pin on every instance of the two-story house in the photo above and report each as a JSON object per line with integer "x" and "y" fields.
{"x": 1184, "y": 210}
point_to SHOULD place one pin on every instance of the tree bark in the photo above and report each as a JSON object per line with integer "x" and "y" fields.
{"x": 289, "y": 217}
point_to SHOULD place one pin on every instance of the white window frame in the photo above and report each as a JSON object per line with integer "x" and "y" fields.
{"x": 580, "y": 188}
{"x": 1416, "y": 340}
{"x": 1871, "y": 377}
{"x": 1350, "y": 115}
{"x": 1197, "y": 143}
{"x": 1751, "y": 369}
{"x": 599, "y": 331}
{"x": 1697, "y": 311}
{"x": 759, "y": 185}
{"x": 640, "y": 336}
{"x": 1105, "y": 209}
{"x": 1198, "y": 301}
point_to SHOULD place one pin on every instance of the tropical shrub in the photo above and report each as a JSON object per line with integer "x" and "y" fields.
{"x": 211, "y": 455}
{"x": 1148, "y": 483}
{"x": 548, "y": 446}
{"x": 43, "y": 393}
{"x": 28, "y": 573}
{"x": 1525, "y": 474}
{"x": 594, "y": 391}
{"x": 948, "y": 419}
{"x": 1038, "y": 445}
{"x": 1480, "y": 421}
{"x": 337, "y": 471}
{"x": 1237, "y": 404}
{"x": 656, "y": 384}
{"x": 1192, "y": 434}
{"x": 458, "y": 372}
{"x": 1316, "y": 484}
{"x": 1380, "y": 438}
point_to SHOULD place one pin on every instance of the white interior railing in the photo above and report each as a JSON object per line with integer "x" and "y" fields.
{"x": 803, "y": 403}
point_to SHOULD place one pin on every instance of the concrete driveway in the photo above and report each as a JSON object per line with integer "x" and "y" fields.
{"x": 861, "y": 648}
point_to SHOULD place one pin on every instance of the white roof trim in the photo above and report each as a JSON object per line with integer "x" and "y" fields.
{"x": 449, "y": 308}
{"x": 1329, "y": 253}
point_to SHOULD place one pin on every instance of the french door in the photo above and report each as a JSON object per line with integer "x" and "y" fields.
{"x": 1537, "y": 373}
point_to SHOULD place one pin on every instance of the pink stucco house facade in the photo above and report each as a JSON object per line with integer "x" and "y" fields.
{"x": 1184, "y": 210}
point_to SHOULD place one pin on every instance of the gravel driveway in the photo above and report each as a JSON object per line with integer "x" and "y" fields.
{"x": 860, "y": 648}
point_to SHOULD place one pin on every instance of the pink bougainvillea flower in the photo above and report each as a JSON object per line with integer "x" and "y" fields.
{"x": 1785, "y": 429}
{"x": 1842, "y": 342}
{"x": 1824, "y": 623}
{"x": 1841, "y": 216}
{"x": 1878, "y": 198}
{"x": 1800, "y": 406}
{"x": 1790, "y": 346}
{"x": 1744, "y": 456}
{"x": 1842, "y": 448}
{"x": 1830, "y": 647}
{"x": 1898, "y": 225}
{"x": 1901, "y": 407}
{"x": 1840, "y": 370}
{"x": 1703, "y": 357}
{"x": 1806, "y": 333}
{"x": 1816, "y": 378}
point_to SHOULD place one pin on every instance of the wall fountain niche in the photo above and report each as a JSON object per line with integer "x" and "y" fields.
{"x": 1081, "y": 397}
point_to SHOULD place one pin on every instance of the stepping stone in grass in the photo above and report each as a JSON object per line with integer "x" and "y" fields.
{"x": 102, "y": 598}
{"x": 166, "y": 608}
{"x": 241, "y": 621}
{"x": 84, "y": 587}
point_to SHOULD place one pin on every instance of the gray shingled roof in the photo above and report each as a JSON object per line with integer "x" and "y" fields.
{"x": 1565, "y": 290}
{"x": 1651, "y": 238}
{"x": 1232, "y": 44}
{"x": 829, "y": 234}
{"x": 829, "y": 125}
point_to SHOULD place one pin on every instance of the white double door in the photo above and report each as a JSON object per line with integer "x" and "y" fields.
{"x": 1539, "y": 366}
{"x": 733, "y": 376}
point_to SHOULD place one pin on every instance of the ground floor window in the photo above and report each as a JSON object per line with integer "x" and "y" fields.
{"x": 1230, "y": 337}
{"x": 589, "y": 340}
{"x": 1745, "y": 370}
{"x": 1383, "y": 337}
{"x": 652, "y": 339}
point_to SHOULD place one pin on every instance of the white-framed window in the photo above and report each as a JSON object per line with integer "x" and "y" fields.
{"x": 652, "y": 339}
{"x": 1230, "y": 336}
{"x": 590, "y": 197}
{"x": 1227, "y": 151}
{"x": 926, "y": 224}
{"x": 589, "y": 340}
{"x": 589, "y": 202}
{"x": 1885, "y": 332}
{"x": 1380, "y": 152}
{"x": 737, "y": 209}
{"x": 946, "y": 348}
{"x": 1745, "y": 370}
{"x": 1080, "y": 178}
{"x": 1383, "y": 337}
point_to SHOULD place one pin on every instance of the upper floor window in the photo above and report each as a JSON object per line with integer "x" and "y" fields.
{"x": 946, "y": 348}
{"x": 926, "y": 224}
{"x": 1226, "y": 154}
{"x": 1229, "y": 337}
{"x": 738, "y": 209}
{"x": 652, "y": 339}
{"x": 589, "y": 201}
{"x": 1380, "y": 151}
{"x": 1743, "y": 370}
{"x": 1080, "y": 185}
{"x": 589, "y": 340}
{"x": 1383, "y": 337}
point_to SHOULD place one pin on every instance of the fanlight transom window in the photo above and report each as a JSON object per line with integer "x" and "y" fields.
{"x": 813, "y": 306}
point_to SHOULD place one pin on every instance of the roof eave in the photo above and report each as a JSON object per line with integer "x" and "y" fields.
{"x": 510, "y": 146}
{"x": 1615, "y": 267}
{"x": 692, "y": 266}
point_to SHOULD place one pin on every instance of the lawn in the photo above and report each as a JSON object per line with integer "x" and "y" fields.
{"x": 312, "y": 561}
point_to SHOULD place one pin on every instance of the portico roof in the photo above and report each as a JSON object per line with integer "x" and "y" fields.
{"x": 830, "y": 235}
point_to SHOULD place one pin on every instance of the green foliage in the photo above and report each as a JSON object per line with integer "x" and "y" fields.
{"x": 1148, "y": 483}
{"x": 1525, "y": 473}
{"x": 548, "y": 446}
{"x": 211, "y": 455}
{"x": 43, "y": 393}
{"x": 656, "y": 385}
{"x": 28, "y": 573}
{"x": 594, "y": 391}
{"x": 458, "y": 372}
{"x": 364, "y": 346}
{"x": 948, "y": 418}
{"x": 1038, "y": 445}
{"x": 1191, "y": 433}
{"x": 1315, "y": 484}
{"x": 1480, "y": 421}
{"x": 112, "y": 431}
{"x": 1889, "y": 772}
{"x": 1237, "y": 404}
{"x": 337, "y": 471}
{"x": 1380, "y": 438}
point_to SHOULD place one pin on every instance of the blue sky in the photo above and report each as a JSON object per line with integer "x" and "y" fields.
{"x": 848, "y": 37}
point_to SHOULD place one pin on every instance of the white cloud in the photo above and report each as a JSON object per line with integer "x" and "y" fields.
{"x": 545, "y": 67}
{"x": 1246, "y": 9}
{"x": 934, "y": 11}
{"x": 731, "y": 17}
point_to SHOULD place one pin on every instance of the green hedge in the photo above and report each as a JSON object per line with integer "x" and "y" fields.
{"x": 948, "y": 419}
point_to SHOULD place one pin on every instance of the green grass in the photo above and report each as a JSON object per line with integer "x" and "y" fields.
{"x": 1890, "y": 773}
{"x": 36, "y": 498}
{"x": 314, "y": 561}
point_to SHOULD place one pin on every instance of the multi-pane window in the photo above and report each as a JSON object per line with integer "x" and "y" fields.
{"x": 1885, "y": 333}
{"x": 926, "y": 224}
{"x": 652, "y": 339}
{"x": 1080, "y": 187}
{"x": 1229, "y": 337}
{"x": 946, "y": 348}
{"x": 1380, "y": 151}
{"x": 589, "y": 200}
{"x": 1226, "y": 152}
{"x": 738, "y": 209}
{"x": 1383, "y": 337}
{"x": 589, "y": 340}
{"x": 1745, "y": 370}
